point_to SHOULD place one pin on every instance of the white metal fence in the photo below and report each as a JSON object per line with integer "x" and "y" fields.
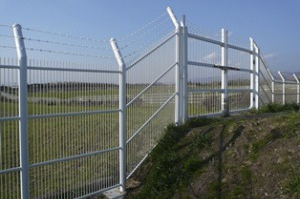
{"x": 75, "y": 130}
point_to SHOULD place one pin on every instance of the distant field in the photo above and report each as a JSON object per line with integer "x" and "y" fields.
{"x": 67, "y": 136}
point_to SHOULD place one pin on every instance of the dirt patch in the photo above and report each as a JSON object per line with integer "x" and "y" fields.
{"x": 249, "y": 156}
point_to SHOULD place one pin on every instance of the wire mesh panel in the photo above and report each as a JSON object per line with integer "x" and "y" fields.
{"x": 239, "y": 90}
{"x": 204, "y": 83}
{"x": 73, "y": 121}
{"x": 9, "y": 129}
{"x": 73, "y": 117}
{"x": 76, "y": 177}
{"x": 150, "y": 99}
{"x": 204, "y": 86}
{"x": 73, "y": 104}
{"x": 278, "y": 92}
{"x": 265, "y": 83}
{"x": 290, "y": 88}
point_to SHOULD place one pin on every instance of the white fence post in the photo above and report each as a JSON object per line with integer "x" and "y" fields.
{"x": 178, "y": 69}
{"x": 283, "y": 87}
{"x": 185, "y": 69}
{"x": 273, "y": 84}
{"x": 257, "y": 76}
{"x": 122, "y": 113}
{"x": 298, "y": 91}
{"x": 273, "y": 90}
{"x": 252, "y": 62}
{"x": 224, "y": 62}
{"x": 23, "y": 111}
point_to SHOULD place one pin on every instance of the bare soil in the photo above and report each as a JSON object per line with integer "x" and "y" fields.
{"x": 249, "y": 156}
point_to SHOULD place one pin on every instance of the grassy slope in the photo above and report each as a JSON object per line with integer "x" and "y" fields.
{"x": 249, "y": 156}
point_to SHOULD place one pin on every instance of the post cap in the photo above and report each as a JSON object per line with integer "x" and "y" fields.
{"x": 16, "y": 25}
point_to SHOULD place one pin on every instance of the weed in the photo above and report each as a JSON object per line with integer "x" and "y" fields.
{"x": 256, "y": 147}
{"x": 203, "y": 140}
{"x": 274, "y": 108}
{"x": 168, "y": 173}
{"x": 246, "y": 174}
{"x": 193, "y": 164}
{"x": 292, "y": 186}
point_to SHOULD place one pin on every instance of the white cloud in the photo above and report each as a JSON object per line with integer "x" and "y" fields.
{"x": 210, "y": 56}
{"x": 269, "y": 56}
{"x": 230, "y": 33}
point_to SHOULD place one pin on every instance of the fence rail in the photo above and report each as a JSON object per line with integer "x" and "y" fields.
{"x": 76, "y": 130}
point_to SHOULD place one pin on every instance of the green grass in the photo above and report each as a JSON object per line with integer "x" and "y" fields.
{"x": 59, "y": 137}
{"x": 292, "y": 185}
{"x": 169, "y": 173}
{"x": 203, "y": 140}
{"x": 275, "y": 108}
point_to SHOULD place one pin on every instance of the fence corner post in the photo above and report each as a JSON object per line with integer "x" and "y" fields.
{"x": 23, "y": 111}
{"x": 224, "y": 62}
{"x": 252, "y": 62}
{"x": 122, "y": 113}
{"x": 257, "y": 76}
{"x": 178, "y": 69}
{"x": 298, "y": 88}
{"x": 283, "y": 87}
{"x": 185, "y": 69}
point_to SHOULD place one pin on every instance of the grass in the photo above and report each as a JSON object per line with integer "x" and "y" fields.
{"x": 292, "y": 185}
{"x": 175, "y": 160}
{"x": 59, "y": 137}
{"x": 168, "y": 173}
{"x": 275, "y": 108}
{"x": 203, "y": 140}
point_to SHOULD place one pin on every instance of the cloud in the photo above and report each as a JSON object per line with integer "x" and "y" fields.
{"x": 230, "y": 33}
{"x": 210, "y": 56}
{"x": 269, "y": 56}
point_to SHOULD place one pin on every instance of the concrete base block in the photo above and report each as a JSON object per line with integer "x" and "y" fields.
{"x": 114, "y": 194}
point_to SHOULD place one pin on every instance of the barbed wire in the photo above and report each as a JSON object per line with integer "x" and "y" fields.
{"x": 60, "y": 52}
{"x": 57, "y": 42}
{"x": 7, "y": 36}
{"x": 65, "y": 35}
{"x": 143, "y": 27}
{"x": 144, "y": 46}
{"x": 6, "y": 26}
{"x": 4, "y": 46}
{"x": 69, "y": 53}
{"x": 143, "y": 34}
{"x": 65, "y": 44}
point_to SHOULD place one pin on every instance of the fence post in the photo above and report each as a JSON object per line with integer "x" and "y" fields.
{"x": 122, "y": 113}
{"x": 273, "y": 84}
{"x": 185, "y": 69}
{"x": 252, "y": 62}
{"x": 178, "y": 69}
{"x": 257, "y": 77}
{"x": 298, "y": 88}
{"x": 273, "y": 90}
{"x": 224, "y": 62}
{"x": 283, "y": 87}
{"x": 23, "y": 111}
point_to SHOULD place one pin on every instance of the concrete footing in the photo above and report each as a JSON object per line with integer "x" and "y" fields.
{"x": 114, "y": 194}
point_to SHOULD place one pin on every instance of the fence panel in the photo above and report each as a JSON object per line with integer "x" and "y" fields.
{"x": 73, "y": 120}
{"x": 150, "y": 100}
{"x": 76, "y": 112}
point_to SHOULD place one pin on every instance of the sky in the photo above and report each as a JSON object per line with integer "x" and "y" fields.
{"x": 274, "y": 24}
